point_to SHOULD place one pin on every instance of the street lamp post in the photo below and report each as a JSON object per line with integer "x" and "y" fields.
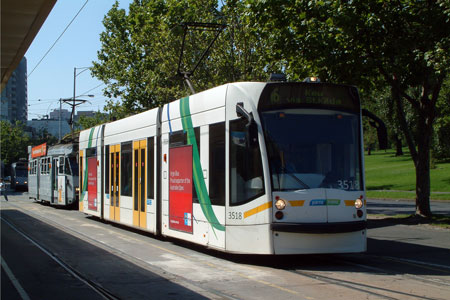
{"x": 74, "y": 100}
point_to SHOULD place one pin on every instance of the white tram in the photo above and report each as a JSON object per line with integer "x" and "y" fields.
{"x": 260, "y": 168}
{"x": 53, "y": 174}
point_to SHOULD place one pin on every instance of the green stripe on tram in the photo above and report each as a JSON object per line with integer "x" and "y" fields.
{"x": 199, "y": 181}
{"x": 85, "y": 180}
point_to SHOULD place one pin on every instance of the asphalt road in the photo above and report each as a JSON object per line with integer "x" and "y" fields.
{"x": 394, "y": 207}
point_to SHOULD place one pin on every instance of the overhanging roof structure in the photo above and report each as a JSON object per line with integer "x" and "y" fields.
{"x": 20, "y": 23}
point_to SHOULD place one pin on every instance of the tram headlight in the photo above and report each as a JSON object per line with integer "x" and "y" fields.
{"x": 280, "y": 204}
{"x": 77, "y": 189}
{"x": 358, "y": 203}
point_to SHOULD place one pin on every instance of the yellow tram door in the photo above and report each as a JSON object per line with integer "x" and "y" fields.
{"x": 114, "y": 209}
{"x": 139, "y": 184}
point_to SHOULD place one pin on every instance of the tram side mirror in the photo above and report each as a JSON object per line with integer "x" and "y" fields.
{"x": 252, "y": 128}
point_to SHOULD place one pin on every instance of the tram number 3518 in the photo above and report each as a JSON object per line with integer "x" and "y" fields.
{"x": 234, "y": 215}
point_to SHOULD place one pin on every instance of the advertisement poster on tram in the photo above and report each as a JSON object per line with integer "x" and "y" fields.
{"x": 180, "y": 189}
{"x": 92, "y": 183}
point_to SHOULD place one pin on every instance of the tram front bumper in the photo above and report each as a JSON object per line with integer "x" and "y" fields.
{"x": 336, "y": 227}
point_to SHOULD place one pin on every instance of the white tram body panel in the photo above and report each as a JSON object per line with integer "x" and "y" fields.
{"x": 258, "y": 168}
{"x": 204, "y": 108}
{"x": 118, "y": 135}
{"x": 90, "y": 173}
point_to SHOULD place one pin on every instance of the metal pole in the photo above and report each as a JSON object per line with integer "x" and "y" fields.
{"x": 60, "y": 106}
{"x": 73, "y": 106}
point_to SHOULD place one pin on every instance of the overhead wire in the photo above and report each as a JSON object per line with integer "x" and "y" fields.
{"x": 87, "y": 92}
{"x": 65, "y": 29}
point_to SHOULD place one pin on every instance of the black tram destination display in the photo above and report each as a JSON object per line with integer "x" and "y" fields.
{"x": 314, "y": 95}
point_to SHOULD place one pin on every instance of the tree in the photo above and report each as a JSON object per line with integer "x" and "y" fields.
{"x": 86, "y": 122}
{"x": 441, "y": 143}
{"x": 140, "y": 50}
{"x": 139, "y": 54}
{"x": 403, "y": 44}
{"x": 14, "y": 142}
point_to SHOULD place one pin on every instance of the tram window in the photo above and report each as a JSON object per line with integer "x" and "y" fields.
{"x": 136, "y": 179}
{"x": 246, "y": 174}
{"x": 67, "y": 169}
{"x": 107, "y": 169}
{"x": 61, "y": 166}
{"x": 217, "y": 163}
{"x": 126, "y": 169}
{"x": 90, "y": 152}
{"x": 177, "y": 139}
{"x": 44, "y": 166}
{"x": 151, "y": 168}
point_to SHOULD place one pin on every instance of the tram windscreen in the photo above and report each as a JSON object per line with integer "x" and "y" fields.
{"x": 21, "y": 172}
{"x": 310, "y": 148}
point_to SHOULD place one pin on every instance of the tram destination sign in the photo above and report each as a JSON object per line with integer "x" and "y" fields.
{"x": 290, "y": 95}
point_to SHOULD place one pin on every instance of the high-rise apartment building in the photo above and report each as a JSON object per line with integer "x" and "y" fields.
{"x": 14, "y": 97}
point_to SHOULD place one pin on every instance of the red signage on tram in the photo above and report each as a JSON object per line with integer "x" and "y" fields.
{"x": 92, "y": 183}
{"x": 180, "y": 189}
{"x": 38, "y": 151}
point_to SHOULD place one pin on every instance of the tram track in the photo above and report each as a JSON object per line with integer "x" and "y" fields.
{"x": 103, "y": 292}
{"x": 372, "y": 289}
{"x": 210, "y": 292}
{"x": 440, "y": 269}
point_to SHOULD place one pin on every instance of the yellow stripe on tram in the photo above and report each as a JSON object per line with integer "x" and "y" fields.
{"x": 257, "y": 209}
{"x": 349, "y": 202}
{"x": 296, "y": 202}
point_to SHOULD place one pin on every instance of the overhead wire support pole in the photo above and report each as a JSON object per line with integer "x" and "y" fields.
{"x": 218, "y": 28}
{"x": 72, "y": 117}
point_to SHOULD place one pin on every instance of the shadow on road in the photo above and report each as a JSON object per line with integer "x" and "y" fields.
{"x": 115, "y": 274}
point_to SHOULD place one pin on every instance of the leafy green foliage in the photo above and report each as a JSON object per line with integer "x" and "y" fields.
{"x": 441, "y": 145}
{"x": 86, "y": 122}
{"x": 14, "y": 142}
{"x": 140, "y": 51}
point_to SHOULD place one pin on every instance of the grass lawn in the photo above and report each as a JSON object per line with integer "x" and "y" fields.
{"x": 393, "y": 177}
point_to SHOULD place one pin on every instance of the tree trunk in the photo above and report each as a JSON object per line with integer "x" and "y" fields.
{"x": 398, "y": 145}
{"x": 421, "y": 156}
{"x": 422, "y": 164}
{"x": 423, "y": 177}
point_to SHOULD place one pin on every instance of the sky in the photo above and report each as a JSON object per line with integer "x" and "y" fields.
{"x": 53, "y": 78}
